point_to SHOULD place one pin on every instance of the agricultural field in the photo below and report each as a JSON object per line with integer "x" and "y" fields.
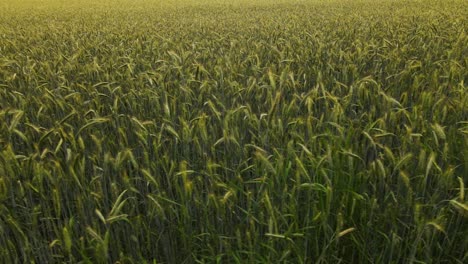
{"x": 233, "y": 131}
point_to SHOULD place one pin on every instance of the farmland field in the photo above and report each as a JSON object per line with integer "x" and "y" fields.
{"x": 233, "y": 131}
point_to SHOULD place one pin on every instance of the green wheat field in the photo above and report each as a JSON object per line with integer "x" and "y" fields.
{"x": 216, "y": 131}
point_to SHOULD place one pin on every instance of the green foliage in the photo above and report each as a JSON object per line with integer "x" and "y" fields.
{"x": 233, "y": 131}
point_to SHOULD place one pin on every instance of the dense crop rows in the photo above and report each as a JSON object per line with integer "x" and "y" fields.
{"x": 233, "y": 132}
